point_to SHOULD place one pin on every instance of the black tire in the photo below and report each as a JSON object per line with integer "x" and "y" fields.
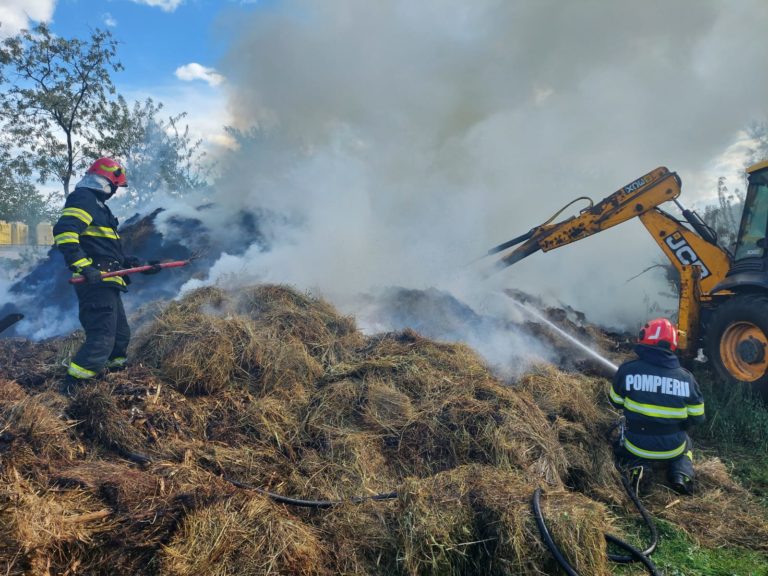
{"x": 742, "y": 319}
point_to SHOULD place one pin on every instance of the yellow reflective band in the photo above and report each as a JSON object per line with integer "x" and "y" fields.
{"x": 101, "y": 232}
{"x": 115, "y": 362}
{"x": 115, "y": 279}
{"x": 67, "y": 238}
{"x": 78, "y": 213}
{"x": 653, "y": 410}
{"x": 82, "y": 262}
{"x": 79, "y": 371}
{"x": 109, "y": 168}
{"x": 615, "y": 397}
{"x": 695, "y": 409}
{"x": 653, "y": 455}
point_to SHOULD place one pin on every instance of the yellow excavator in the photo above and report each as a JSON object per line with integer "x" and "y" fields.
{"x": 723, "y": 306}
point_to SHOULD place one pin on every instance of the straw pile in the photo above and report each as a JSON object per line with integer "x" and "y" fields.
{"x": 275, "y": 389}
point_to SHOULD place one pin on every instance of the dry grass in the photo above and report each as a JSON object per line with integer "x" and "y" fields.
{"x": 723, "y": 513}
{"x": 39, "y": 526}
{"x": 243, "y": 535}
{"x": 272, "y": 387}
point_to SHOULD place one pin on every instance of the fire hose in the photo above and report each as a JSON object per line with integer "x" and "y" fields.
{"x": 311, "y": 503}
{"x": 134, "y": 270}
{"x": 144, "y": 460}
{"x": 635, "y": 554}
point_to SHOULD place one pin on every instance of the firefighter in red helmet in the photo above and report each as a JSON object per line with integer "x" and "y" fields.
{"x": 660, "y": 399}
{"x": 86, "y": 234}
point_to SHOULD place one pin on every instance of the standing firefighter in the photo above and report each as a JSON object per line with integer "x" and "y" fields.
{"x": 86, "y": 234}
{"x": 660, "y": 399}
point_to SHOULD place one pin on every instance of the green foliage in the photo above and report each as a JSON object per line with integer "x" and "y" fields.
{"x": 736, "y": 417}
{"x": 678, "y": 555}
{"x": 19, "y": 199}
{"x": 158, "y": 153}
{"x": 54, "y": 93}
{"x": 59, "y": 110}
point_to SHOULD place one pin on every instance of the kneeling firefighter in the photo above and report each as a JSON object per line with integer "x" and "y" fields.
{"x": 660, "y": 399}
{"x": 86, "y": 234}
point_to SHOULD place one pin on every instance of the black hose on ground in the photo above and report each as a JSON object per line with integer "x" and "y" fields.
{"x": 635, "y": 555}
{"x": 547, "y": 537}
{"x": 648, "y": 522}
{"x": 311, "y": 503}
{"x": 144, "y": 460}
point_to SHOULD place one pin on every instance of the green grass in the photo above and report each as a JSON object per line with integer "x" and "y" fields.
{"x": 678, "y": 555}
{"x": 736, "y": 417}
{"x": 736, "y": 430}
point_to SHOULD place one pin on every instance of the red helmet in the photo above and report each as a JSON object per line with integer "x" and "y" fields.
{"x": 659, "y": 332}
{"x": 111, "y": 170}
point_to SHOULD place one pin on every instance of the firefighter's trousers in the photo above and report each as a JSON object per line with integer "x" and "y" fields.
{"x": 682, "y": 464}
{"x": 106, "y": 331}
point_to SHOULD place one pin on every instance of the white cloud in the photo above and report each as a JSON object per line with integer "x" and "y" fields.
{"x": 165, "y": 5}
{"x": 195, "y": 71}
{"x": 207, "y": 112}
{"x": 109, "y": 20}
{"x": 17, "y": 14}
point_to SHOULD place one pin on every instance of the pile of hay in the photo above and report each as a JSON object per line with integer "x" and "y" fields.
{"x": 139, "y": 472}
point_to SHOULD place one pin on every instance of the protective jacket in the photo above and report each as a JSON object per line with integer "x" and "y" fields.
{"x": 86, "y": 232}
{"x": 660, "y": 399}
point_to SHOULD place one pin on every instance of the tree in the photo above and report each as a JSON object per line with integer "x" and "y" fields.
{"x": 159, "y": 154}
{"x": 54, "y": 93}
{"x": 60, "y": 109}
{"x": 19, "y": 199}
{"x": 724, "y": 217}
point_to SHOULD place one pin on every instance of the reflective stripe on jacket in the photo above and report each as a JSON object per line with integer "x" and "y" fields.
{"x": 86, "y": 234}
{"x": 659, "y": 399}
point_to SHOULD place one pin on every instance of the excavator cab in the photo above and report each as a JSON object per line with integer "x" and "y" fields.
{"x": 723, "y": 305}
{"x": 737, "y": 329}
{"x": 751, "y": 243}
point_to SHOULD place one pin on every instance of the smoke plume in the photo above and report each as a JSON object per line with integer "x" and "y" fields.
{"x": 389, "y": 144}
{"x": 400, "y": 140}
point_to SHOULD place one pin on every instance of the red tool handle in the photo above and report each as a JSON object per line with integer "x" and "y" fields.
{"x": 126, "y": 271}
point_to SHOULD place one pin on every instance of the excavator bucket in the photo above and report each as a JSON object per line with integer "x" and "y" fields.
{"x": 9, "y": 320}
{"x": 528, "y": 245}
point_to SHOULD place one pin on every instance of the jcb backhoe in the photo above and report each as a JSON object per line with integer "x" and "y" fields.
{"x": 723, "y": 306}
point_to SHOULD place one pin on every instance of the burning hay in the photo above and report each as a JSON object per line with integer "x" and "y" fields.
{"x": 144, "y": 471}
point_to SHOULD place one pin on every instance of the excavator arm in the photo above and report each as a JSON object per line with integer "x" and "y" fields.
{"x": 631, "y": 201}
{"x": 694, "y": 253}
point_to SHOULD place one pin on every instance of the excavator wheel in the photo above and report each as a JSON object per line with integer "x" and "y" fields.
{"x": 737, "y": 341}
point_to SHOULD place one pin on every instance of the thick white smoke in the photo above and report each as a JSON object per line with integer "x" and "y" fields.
{"x": 403, "y": 138}
{"x": 393, "y": 142}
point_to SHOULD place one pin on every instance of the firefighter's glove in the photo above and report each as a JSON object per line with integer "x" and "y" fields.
{"x": 91, "y": 275}
{"x": 131, "y": 262}
{"x": 155, "y": 267}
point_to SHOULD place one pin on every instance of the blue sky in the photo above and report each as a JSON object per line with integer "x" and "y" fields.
{"x": 170, "y": 48}
{"x": 154, "y": 42}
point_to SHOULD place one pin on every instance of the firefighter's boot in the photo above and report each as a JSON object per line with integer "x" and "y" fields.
{"x": 681, "y": 483}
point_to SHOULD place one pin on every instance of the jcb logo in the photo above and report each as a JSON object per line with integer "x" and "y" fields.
{"x": 684, "y": 253}
{"x": 639, "y": 183}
